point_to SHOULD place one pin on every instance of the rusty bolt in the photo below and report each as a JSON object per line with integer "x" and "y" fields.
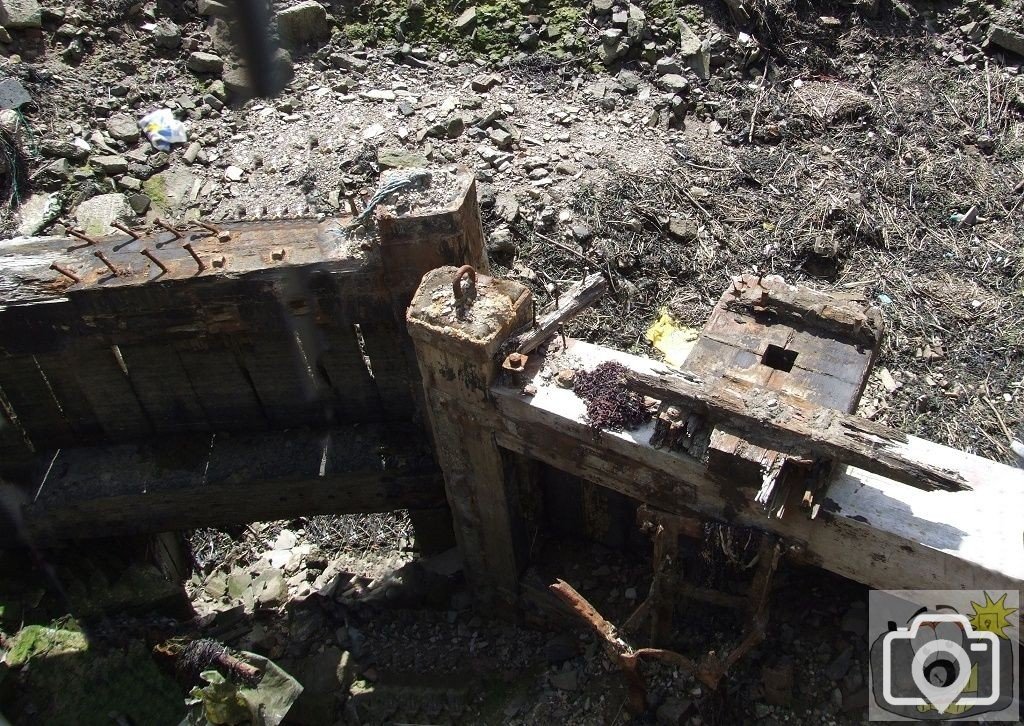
{"x": 127, "y": 230}
{"x": 146, "y": 253}
{"x": 84, "y": 237}
{"x": 188, "y": 248}
{"x": 164, "y": 225}
{"x": 515, "y": 363}
{"x": 66, "y": 272}
{"x": 209, "y": 227}
{"x": 110, "y": 266}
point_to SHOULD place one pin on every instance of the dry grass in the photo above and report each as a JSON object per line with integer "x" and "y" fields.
{"x": 861, "y": 201}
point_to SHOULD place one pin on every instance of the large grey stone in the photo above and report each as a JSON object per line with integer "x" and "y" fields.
{"x": 214, "y": 7}
{"x": 95, "y": 215}
{"x": 110, "y": 165}
{"x": 401, "y": 159}
{"x": 200, "y": 62}
{"x": 20, "y": 14}
{"x": 38, "y": 211}
{"x": 13, "y": 94}
{"x": 694, "y": 52}
{"x": 675, "y": 83}
{"x": 302, "y": 23}
{"x": 166, "y": 34}
{"x": 1007, "y": 38}
{"x": 123, "y": 127}
{"x": 467, "y": 21}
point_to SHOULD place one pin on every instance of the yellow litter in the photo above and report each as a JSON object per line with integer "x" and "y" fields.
{"x": 673, "y": 340}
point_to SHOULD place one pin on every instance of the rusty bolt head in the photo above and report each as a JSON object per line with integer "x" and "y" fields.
{"x": 515, "y": 363}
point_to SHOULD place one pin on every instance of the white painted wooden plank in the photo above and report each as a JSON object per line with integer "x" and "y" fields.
{"x": 875, "y": 530}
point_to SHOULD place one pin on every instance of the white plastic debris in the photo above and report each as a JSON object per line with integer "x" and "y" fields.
{"x": 162, "y": 129}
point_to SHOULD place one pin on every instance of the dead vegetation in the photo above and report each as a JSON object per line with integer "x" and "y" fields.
{"x": 911, "y": 195}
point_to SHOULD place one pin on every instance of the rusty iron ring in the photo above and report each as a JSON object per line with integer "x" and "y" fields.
{"x": 457, "y": 280}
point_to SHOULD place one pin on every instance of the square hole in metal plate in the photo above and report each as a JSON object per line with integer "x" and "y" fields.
{"x": 779, "y": 358}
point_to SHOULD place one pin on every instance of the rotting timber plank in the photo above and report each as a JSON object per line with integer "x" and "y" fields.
{"x": 188, "y": 481}
{"x": 872, "y": 529}
{"x": 28, "y": 393}
{"x": 766, "y": 418}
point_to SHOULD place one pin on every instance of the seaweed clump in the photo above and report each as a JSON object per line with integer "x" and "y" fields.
{"x": 610, "y": 403}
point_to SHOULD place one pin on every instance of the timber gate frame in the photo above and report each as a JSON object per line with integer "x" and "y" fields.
{"x": 213, "y": 375}
{"x": 263, "y": 370}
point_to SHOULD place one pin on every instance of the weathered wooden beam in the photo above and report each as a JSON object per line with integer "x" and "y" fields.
{"x": 766, "y": 418}
{"x": 577, "y": 298}
{"x": 871, "y": 528}
{"x": 457, "y": 331}
{"x": 202, "y": 480}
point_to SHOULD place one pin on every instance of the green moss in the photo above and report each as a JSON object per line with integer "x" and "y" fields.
{"x": 156, "y": 189}
{"x": 565, "y": 19}
{"x": 495, "y": 33}
{"x": 692, "y": 14}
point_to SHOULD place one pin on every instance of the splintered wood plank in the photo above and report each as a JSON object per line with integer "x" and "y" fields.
{"x": 766, "y": 418}
{"x": 392, "y": 360}
{"x": 338, "y": 355}
{"x": 32, "y": 401}
{"x": 106, "y": 386}
{"x": 15, "y": 450}
{"x": 183, "y": 482}
{"x": 164, "y": 389}
{"x": 222, "y": 386}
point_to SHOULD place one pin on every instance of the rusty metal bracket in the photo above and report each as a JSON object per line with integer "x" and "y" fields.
{"x": 666, "y": 588}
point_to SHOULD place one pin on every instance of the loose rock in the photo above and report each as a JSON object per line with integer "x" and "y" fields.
{"x": 20, "y": 14}
{"x": 303, "y": 23}
{"x": 199, "y": 62}
{"x": 122, "y": 128}
{"x": 95, "y": 215}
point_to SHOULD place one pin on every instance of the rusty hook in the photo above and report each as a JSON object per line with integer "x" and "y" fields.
{"x": 170, "y": 228}
{"x": 127, "y": 230}
{"x": 457, "y": 281}
{"x": 84, "y": 237}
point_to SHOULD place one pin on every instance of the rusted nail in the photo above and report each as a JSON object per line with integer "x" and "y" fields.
{"x": 188, "y": 248}
{"x": 209, "y": 227}
{"x": 457, "y": 281}
{"x": 103, "y": 258}
{"x": 84, "y": 237}
{"x": 279, "y": 255}
{"x": 66, "y": 272}
{"x": 127, "y": 230}
{"x": 173, "y": 230}
{"x": 153, "y": 259}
